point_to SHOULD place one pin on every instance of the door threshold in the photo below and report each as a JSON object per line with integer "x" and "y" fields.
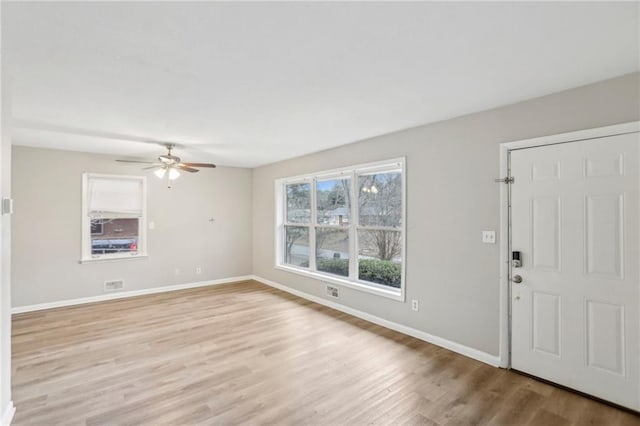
{"x": 577, "y": 392}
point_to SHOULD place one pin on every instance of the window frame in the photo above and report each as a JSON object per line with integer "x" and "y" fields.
{"x": 352, "y": 172}
{"x": 86, "y": 255}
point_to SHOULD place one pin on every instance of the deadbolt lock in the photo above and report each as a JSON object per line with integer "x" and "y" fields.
{"x": 516, "y": 260}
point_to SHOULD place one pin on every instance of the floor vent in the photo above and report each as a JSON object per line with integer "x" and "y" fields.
{"x": 113, "y": 285}
{"x": 333, "y": 291}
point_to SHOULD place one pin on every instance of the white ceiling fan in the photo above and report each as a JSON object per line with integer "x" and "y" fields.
{"x": 169, "y": 165}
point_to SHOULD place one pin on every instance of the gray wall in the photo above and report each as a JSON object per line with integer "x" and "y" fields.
{"x": 451, "y": 198}
{"x": 47, "y": 187}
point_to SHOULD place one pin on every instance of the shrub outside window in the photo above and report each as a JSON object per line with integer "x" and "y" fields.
{"x": 345, "y": 226}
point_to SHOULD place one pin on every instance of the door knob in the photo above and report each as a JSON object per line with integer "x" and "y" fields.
{"x": 517, "y": 279}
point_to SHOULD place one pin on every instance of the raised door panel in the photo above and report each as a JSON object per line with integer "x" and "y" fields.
{"x": 605, "y": 337}
{"x": 604, "y": 229}
{"x": 546, "y": 323}
{"x": 546, "y": 233}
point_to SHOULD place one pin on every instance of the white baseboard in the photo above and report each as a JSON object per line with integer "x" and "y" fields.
{"x": 124, "y": 294}
{"x": 8, "y": 413}
{"x": 476, "y": 354}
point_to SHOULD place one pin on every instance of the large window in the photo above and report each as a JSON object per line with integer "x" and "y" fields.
{"x": 113, "y": 217}
{"x": 345, "y": 226}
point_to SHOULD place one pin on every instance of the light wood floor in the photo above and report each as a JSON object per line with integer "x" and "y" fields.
{"x": 250, "y": 354}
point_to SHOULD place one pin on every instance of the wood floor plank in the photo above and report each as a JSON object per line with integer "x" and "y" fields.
{"x": 250, "y": 354}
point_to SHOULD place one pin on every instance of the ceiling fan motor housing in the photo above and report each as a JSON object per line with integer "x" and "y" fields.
{"x": 169, "y": 159}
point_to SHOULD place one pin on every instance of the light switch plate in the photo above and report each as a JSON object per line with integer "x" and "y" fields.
{"x": 489, "y": 237}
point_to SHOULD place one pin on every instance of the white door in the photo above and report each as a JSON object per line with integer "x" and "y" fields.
{"x": 574, "y": 219}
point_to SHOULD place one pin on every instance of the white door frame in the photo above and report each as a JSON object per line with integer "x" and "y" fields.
{"x": 505, "y": 237}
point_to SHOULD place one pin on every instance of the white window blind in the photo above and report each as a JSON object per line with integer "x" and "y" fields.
{"x": 114, "y": 196}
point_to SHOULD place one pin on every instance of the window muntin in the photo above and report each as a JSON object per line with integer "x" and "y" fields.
{"x": 113, "y": 217}
{"x": 355, "y": 229}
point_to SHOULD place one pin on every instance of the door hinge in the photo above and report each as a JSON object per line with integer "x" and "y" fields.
{"x": 507, "y": 180}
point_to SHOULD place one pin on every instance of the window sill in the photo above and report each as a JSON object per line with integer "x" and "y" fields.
{"x": 397, "y": 295}
{"x": 112, "y": 259}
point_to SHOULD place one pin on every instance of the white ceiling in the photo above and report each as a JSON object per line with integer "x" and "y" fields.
{"x": 245, "y": 84}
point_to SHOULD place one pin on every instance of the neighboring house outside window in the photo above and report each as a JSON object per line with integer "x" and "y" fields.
{"x": 345, "y": 226}
{"x": 113, "y": 217}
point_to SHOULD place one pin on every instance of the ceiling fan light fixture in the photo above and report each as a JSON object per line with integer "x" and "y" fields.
{"x": 173, "y": 174}
{"x": 169, "y": 165}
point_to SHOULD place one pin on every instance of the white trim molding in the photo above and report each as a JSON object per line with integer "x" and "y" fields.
{"x": 418, "y": 334}
{"x": 8, "y": 413}
{"x": 505, "y": 267}
{"x": 125, "y": 294}
{"x": 579, "y": 135}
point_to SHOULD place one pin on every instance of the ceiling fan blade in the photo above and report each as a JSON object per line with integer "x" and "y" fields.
{"x": 187, "y": 169}
{"x": 155, "y": 166}
{"x": 135, "y": 161}
{"x": 199, "y": 165}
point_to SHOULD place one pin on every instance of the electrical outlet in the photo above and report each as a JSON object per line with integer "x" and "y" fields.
{"x": 415, "y": 305}
{"x": 489, "y": 237}
{"x": 198, "y": 270}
